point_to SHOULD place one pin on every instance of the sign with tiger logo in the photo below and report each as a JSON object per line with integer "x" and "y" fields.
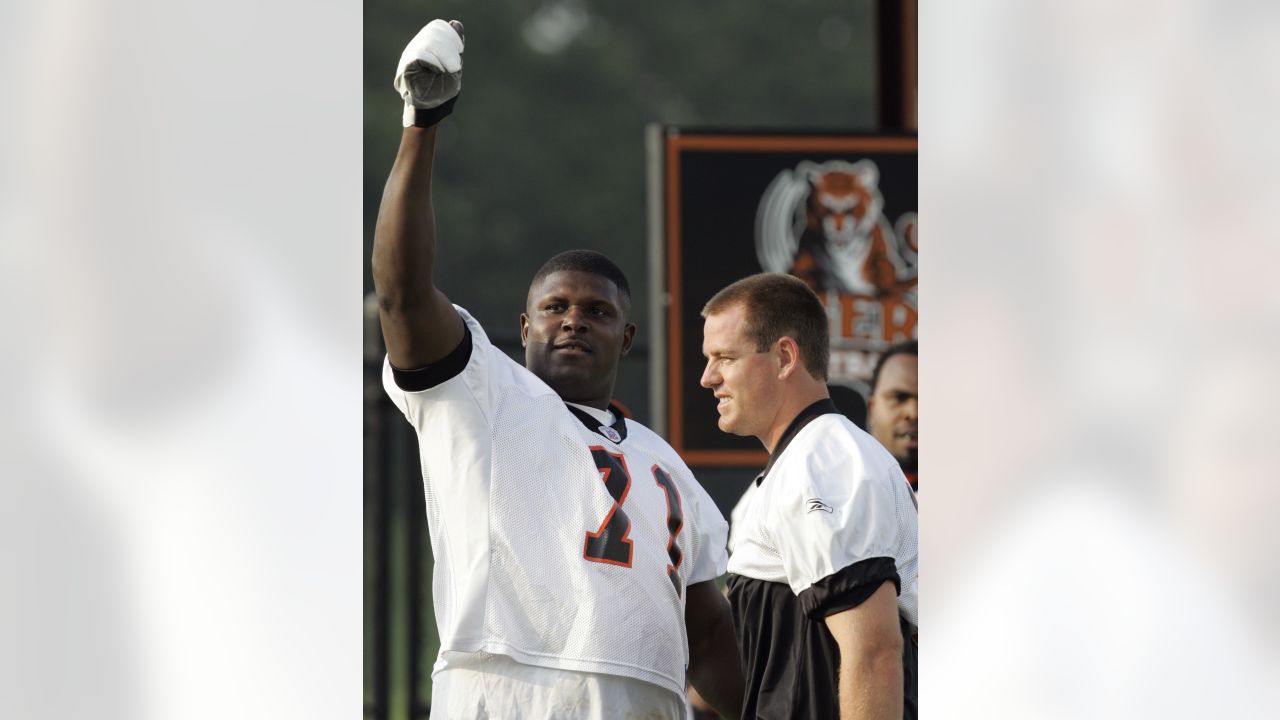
{"x": 837, "y": 211}
{"x": 825, "y": 223}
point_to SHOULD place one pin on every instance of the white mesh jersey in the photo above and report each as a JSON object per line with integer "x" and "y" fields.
{"x": 554, "y": 544}
{"x": 829, "y": 521}
{"x": 831, "y": 498}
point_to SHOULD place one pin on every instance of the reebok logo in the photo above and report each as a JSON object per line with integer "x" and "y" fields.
{"x": 816, "y": 504}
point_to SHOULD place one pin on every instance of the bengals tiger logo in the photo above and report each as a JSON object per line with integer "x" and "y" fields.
{"x": 825, "y": 224}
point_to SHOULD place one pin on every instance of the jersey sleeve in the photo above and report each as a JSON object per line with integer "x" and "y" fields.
{"x": 713, "y": 557}
{"x": 713, "y": 533}
{"x": 458, "y": 383}
{"x": 837, "y": 531}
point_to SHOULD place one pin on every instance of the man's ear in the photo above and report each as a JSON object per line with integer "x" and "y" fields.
{"x": 788, "y": 354}
{"x": 524, "y": 330}
{"x": 628, "y": 337}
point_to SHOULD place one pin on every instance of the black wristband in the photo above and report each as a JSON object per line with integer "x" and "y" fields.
{"x": 425, "y": 118}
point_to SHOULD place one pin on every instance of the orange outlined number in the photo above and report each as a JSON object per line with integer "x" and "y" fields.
{"x": 675, "y": 523}
{"x": 610, "y": 544}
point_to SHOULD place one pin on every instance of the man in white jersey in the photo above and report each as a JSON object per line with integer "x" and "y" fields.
{"x": 823, "y": 554}
{"x": 575, "y": 554}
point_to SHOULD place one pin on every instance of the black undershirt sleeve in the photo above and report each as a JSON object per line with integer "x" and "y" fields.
{"x": 429, "y": 376}
{"x": 849, "y": 587}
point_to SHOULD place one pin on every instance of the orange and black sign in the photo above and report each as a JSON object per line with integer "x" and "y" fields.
{"x": 837, "y": 211}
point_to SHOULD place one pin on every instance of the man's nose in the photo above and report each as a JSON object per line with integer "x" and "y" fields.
{"x": 575, "y": 318}
{"x": 709, "y": 379}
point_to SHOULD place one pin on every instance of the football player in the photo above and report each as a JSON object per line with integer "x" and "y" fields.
{"x": 575, "y": 554}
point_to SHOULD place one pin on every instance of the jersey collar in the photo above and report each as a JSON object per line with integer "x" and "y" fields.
{"x": 806, "y": 416}
{"x": 618, "y": 428}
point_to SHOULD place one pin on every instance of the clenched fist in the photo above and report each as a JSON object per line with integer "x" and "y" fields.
{"x": 429, "y": 76}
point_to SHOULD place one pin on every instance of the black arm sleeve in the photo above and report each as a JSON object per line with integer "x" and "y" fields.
{"x": 849, "y": 587}
{"x": 448, "y": 367}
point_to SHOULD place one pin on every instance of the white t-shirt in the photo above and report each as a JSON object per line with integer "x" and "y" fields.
{"x": 558, "y": 542}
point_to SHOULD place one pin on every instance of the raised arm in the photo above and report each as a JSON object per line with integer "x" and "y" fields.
{"x": 419, "y": 324}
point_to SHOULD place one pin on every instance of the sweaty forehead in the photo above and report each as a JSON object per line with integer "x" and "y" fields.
{"x": 576, "y": 285}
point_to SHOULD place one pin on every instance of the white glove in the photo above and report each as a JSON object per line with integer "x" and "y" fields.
{"x": 430, "y": 72}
